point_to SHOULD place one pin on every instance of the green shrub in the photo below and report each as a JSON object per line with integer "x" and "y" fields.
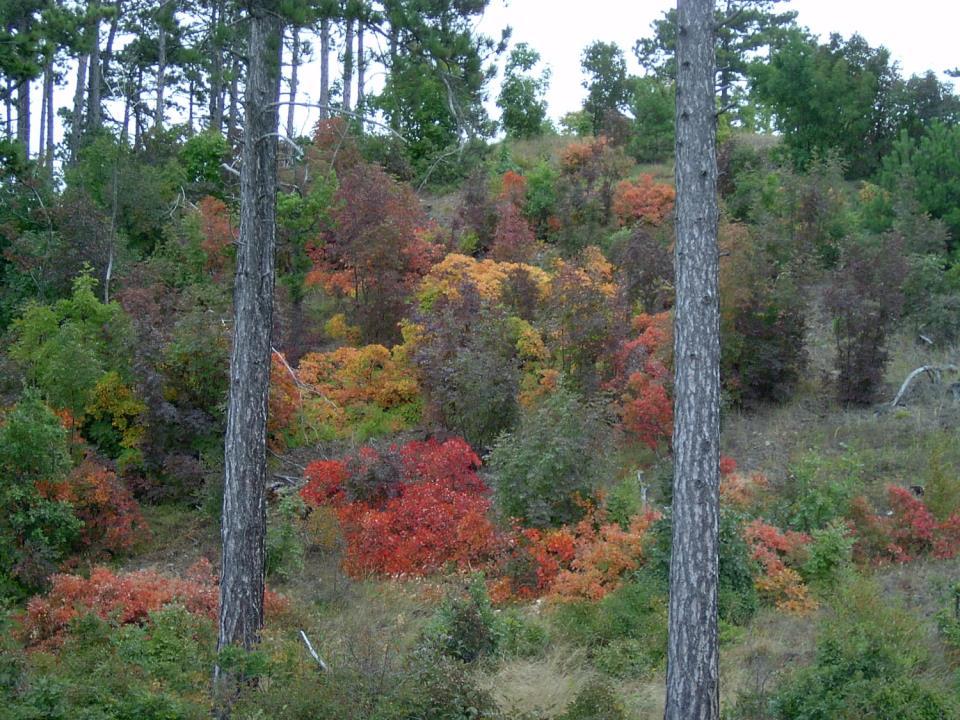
{"x": 625, "y": 631}
{"x": 521, "y": 636}
{"x": 465, "y": 627}
{"x": 553, "y": 458}
{"x": 829, "y": 556}
{"x": 597, "y": 700}
{"x": 284, "y": 543}
{"x": 35, "y": 532}
{"x": 869, "y": 663}
{"x": 818, "y": 491}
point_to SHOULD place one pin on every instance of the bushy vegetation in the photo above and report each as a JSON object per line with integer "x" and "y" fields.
{"x": 470, "y": 420}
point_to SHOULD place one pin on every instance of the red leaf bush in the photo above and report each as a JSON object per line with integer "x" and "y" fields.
{"x": 123, "y": 597}
{"x": 431, "y": 513}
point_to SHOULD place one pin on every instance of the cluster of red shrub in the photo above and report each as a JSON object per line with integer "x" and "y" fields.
{"x": 435, "y": 513}
{"x": 431, "y": 512}
{"x": 124, "y": 598}
{"x": 111, "y": 517}
{"x": 910, "y": 531}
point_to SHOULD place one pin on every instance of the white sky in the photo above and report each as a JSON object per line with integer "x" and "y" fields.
{"x": 921, "y": 35}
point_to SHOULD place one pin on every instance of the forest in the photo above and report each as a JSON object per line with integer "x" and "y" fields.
{"x": 468, "y": 306}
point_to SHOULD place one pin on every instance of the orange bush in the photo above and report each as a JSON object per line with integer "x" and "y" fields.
{"x": 643, "y": 199}
{"x": 775, "y": 550}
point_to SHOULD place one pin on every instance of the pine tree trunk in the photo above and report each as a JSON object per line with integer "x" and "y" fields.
{"x": 361, "y": 75}
{"x": 43, "y": 116}
{"x": 324, "y": 68}
{"x": 216, "y": 69}
{"x": 48, "y": 92}
{"x": 692, "y": 658}
{"x": 294, "y": 68}
{"x": 234, "y": 113}
{"x": 244, "y": 509}
{"x": 96, "y": 81}
{"x": 348, "y": 65}
{"x": 76, "y": 127}
{"x": 158, "y": 110}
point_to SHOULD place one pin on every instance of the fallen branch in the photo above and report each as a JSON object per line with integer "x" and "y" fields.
{"x": 302, "y": 386}
{"x": 313, "y": 653}
{"x": 935, "y": 372}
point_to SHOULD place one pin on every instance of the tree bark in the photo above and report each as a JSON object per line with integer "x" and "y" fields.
{"x": 76, "y": 127}
{"x": 216, "y": 67}
{"x": 294, "y": 68}
{"x": 347, "y": 65}
{"x": 48, "y": 92}
{"x": 324, "y": 68}
{"x": 96, "y": 81}
{"x": 693, "y": 682}
{"x": 158, "y": 110}
{"x": 23, "y": 114}
{"x": 244, "y": 508}
{"x": 361, "y": 75}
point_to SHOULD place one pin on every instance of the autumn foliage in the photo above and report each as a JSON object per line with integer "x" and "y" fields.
{"x": 643, "y": 200}
{"x": 910, "y": 531}
{"x": 779, "y": 553}
{"x": 124, "y": 598}
{"x": 429, "y": 513}
{"x": 112, "y": 521}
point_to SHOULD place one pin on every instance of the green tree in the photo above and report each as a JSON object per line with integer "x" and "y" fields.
{"x": 744, "y": 28}
{"x": 653, "y": 104}
{"x": 608, "y": 85}
{"x": 930, "y": 168}
{"x": 832, "y": 95}
{"x": 521, "y": 95}
{"x": 67, "y": 347}
{"x": 34, "y": 532}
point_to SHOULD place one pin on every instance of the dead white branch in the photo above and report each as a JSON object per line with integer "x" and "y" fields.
{"x": 934, "y": 372}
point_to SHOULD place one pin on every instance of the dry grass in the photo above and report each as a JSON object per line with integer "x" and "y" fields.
{"x": 541, "y": 687}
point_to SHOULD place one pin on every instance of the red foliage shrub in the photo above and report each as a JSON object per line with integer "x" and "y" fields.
{"x": 513, "y": 238}
{"x": 643, "y": 199}
{"x": 433, "y": 512}
{"x": 218, "y": 233}
{"x": 124, "y": 597}
{"x": 776, "y": 551}
{"x": 111, "y": 517}
{"x": 910, "y": 531}
{"x": 514, "y": 188}
{"x": 646, "y": 404}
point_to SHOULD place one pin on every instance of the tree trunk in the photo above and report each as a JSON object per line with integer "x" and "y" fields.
{"x": 294, "y": 67}
{"x": 48, "y": 92}
{"x": 161, "y": 76}
{"x": 96, "y": 81}
{"x": 361, "y": 74}
{"x": 693, "y": 683}
{"x": 347, "y": 65}
{"x": 216, "y": 68}
{"x": 244, "y": 508}
{"x": 43, "y": 116}
{"x": 324, "y": 68}
{"x": 76, "y": 127}
{"x": 233, "y": 116}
